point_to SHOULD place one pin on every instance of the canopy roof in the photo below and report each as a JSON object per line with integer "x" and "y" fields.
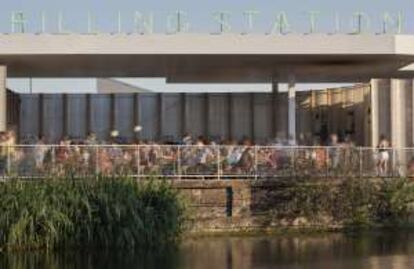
{"x": 210, "y": 58}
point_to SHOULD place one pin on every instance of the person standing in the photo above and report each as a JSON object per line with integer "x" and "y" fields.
{"x": 333, "y": 151}
{"x": 383, "y": 155}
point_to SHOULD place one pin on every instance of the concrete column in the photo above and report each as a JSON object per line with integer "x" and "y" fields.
{"x": 65, "y": 115}
{"x": 88, "y": 115}
{"x": 398, "y": 105}
{"x": 206, "y": 115}
{"x": 381, "y": 109}
{"x": 113, "y": 113}
{"x": 375, "y": 112}
{"x": 183, "y": 107}
{"x": 252, "y": 117}
{"x": 399, "y": 88}
{"x": 40, "y": 116}
{"x": 291, "y": 109}
{"x": 136, "y": 114}
{"x": 384, "y": 111}
{"x": 159, "y": 134}
{"x": 3, "y": 98}
{"x": 229, "y": 117}
{"x": 274, "y": 108}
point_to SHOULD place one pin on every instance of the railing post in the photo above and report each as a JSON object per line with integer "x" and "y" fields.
{"x": 255, "y": 162}
{"x": 327, "y": 163}
{"x": 53, "y": 166}
{"x": 292, "y": 155}
{"x": 8, "y": 161}
{"x": 360, "y": 162}
{"x": 138, "y": 160}
{"x": 179, "y": 171}
{"x": 96, "y": 160}
{"x": 218, "y": 163}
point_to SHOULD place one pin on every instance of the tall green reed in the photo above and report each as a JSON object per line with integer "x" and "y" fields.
{"x": 98, "y": 212}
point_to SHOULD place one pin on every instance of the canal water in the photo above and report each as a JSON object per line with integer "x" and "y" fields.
{"x": 376, "y": 250}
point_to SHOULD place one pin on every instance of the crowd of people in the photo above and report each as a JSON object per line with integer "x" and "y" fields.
{"x": 190, "y": 156}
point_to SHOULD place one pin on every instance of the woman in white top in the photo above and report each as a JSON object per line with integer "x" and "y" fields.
{"x": 383, "y": 155}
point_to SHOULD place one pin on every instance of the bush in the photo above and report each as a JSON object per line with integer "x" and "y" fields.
{"x": 394, "y": 198}
{"x": 352, "y": 202}
{"x": 99, "y": 212}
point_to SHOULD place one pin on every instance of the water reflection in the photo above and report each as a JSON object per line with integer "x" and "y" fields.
{"x": 88, "y": 260}
{"x": 378, "y": 250}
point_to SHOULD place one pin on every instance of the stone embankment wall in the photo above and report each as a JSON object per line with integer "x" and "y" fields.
{"x": 217, "y": 206}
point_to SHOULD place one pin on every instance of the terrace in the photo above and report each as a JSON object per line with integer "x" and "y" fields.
{"x": 210, "y": 162}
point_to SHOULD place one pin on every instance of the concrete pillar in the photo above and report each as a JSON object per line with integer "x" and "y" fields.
{"x": 229, "y": 106}
{"x": 159, "y": 134}
{"x": 274, "y": 108}
{"x": 113, "y": 113}
{"x": 384, "y": 111}
{"x": 206, "y": 115}
{"x": 40, "y": 115}
{"x": 398, "y": 115}
{"x": 381, "y": 109}
{"x": 252, "y": 117}
{"x": 375, "y": 84}
{"x": 399, "y": 90}
{"x": 183, "y": 108}
{"x": 291, "y": 110}
{"x": 65, "y": 118}
{"x": 88, "y": 115}
{"x": 3, "y": 98}
{"x": 136, "y": 115}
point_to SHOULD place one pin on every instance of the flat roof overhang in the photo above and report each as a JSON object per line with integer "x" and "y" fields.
{"x": 209, "y": 58}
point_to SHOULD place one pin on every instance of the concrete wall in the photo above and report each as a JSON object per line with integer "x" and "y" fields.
{"x": 100, "y": 115}
{"x": 149, "y": 116}
{"x": 29, "y": 115}
{"x": 218, "y": 116}
{"x": 52, "y": 122}
{"x": 261, "y": 116}
{"x": 76, "y": 115}
{"x": 124, "y": 118}
{"x": 241, "y": 115}
{"x": 171, "y": 116}
{"x": 196, "y": 114}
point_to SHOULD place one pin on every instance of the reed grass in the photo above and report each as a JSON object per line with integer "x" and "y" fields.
{"x": 99, "y": 212}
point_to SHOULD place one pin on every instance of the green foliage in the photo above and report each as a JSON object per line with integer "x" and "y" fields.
{"x": 394, "y": 199}
{"x": 352, "y": 202}
{"x": 306, "y": 199}
{"x": 98, "y": 212}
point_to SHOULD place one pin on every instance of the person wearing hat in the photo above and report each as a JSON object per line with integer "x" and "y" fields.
{"x": 137, "y": 130}
{"x": 114, "y": 137}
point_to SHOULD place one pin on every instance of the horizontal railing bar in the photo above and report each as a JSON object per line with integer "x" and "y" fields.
{"x": 205, "y": 146}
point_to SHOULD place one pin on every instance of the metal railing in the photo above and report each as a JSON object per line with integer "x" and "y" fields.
{"x": 204, "y": 162}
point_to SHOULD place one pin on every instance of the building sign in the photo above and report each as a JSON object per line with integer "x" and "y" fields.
{"x": 178, "y": 22}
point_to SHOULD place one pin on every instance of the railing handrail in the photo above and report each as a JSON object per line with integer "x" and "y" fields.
{"x": 210, "y": 146}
